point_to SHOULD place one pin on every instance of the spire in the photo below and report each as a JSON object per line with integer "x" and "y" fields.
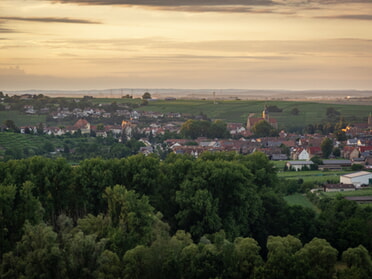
{"x": 265, "y": 113}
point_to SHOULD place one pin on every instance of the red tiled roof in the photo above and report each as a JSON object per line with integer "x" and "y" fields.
{"x": 314, "y": 149}
{"x": 81, "y": 123}
{"x": 365, "y": 148}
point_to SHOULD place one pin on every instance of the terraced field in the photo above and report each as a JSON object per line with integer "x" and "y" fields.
{"x": 21, "y": 119}
{"x": 32, "y": 144}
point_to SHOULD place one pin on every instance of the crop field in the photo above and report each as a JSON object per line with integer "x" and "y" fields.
{"x": 357, "y": 193}
{"x": 31, "y": 143}
{"x": 230, "y": 111}
{"x": 302, "y": 200}
{"x": 238, "y": 111}
{"x": 21, "y": 119}
{"x": 279, "y": 165}
{"x": 316, "y": 177}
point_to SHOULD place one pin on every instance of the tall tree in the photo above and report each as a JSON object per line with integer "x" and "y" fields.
{"x": 146, "y": 96}
{"x": 358, "y": 262}
{"x": 263, "y": 129}
{"x": 37, "y": 255}
{"x": 281, "y": 256}
{"x": 327, "y": 147}
{"x": 316, "y": 260}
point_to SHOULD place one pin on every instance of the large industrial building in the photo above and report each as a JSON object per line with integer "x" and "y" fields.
{"x": 358, "y": 179}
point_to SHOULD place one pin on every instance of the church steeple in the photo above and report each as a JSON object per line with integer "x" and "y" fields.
{"x": 370, "y": 121}
{"x": 265, "y": 113}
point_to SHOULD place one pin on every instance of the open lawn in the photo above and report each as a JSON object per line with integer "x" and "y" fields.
{"x": 302, "y": 200}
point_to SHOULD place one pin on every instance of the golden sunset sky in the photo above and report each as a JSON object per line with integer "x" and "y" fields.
{"x": 252, "y": 44}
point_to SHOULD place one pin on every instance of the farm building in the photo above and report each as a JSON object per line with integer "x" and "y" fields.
{"x": 334, "y": 164}
{"x": 357, "y": 178}
{"x": 338, "y": 187}
{"x": 298, "y": 165}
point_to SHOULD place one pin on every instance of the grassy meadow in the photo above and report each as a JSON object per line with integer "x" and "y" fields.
{"x": 302, "y": 200}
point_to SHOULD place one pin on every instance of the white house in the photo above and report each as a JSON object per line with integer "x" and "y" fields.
{"x": 304, "y": 155}
{"x": 357, "y": 178}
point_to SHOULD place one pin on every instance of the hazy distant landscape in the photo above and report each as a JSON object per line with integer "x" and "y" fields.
{"x": 363, "y": 97}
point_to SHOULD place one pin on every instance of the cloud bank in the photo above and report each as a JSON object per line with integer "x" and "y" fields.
{"x": 171, "y": 2}
{"x": 50, "y": 19}
{"x": 352, "y": 17}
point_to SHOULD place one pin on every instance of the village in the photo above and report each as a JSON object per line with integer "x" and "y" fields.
{"x": 158, "y": 131}
{"x": 356, "y": 149}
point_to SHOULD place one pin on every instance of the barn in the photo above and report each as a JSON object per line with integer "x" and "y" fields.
{"x": 360, "y": 178}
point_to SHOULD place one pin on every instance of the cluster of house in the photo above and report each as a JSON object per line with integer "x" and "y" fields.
{"x": 65, "y": 112}
{"x": 284, "y": 147}
{"x": 298, "y": 149}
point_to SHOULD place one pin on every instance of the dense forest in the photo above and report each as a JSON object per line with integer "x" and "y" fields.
{"x": 221, "y": 215}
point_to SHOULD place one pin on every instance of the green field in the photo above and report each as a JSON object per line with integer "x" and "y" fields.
{"x": 237, "y": 111}
{"x": 230, "y": 111}
{"x": 302, "y": 200}
{"x": 30, "y": 143}
{"x": 362, "y": 192}
{"x": 21, "y": 119}
{"x": 313, "y": 176}
{"x": 279, "y": 164}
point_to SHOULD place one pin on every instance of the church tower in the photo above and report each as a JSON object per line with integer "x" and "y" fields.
{"x": 265, "y": 114}
{"x": 370, "y": 121}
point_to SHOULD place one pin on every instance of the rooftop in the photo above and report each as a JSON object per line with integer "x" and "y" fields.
{"x": 300, "y": 162}
{"x": 357, "y": 174}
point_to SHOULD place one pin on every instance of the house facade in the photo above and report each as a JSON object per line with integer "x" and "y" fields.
{"x": 340, "y": 187}
{"x": 304, "y": 155}
{"x": 298, "y": 165}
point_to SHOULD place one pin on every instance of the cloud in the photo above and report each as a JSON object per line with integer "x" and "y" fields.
{"x": 285, "y": 7}
{"x": 190, "y": 3}
{"x": 194, "y": 6}
{"x": 342, "y": 1}
{"x": 7, "y": 30}
{"x": 50, "y": 19}
{"x": 222, "y": 9}
{"x": 352, "y": 17}
{"x": 171, "y": 3}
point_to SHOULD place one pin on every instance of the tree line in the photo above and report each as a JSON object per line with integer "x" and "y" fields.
{"x": 220, "y": 215}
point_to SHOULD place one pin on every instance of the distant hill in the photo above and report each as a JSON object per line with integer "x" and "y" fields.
{"x": 243, "y": 94}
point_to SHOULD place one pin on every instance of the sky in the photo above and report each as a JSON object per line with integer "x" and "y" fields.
{"x": 245, "y": 44}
